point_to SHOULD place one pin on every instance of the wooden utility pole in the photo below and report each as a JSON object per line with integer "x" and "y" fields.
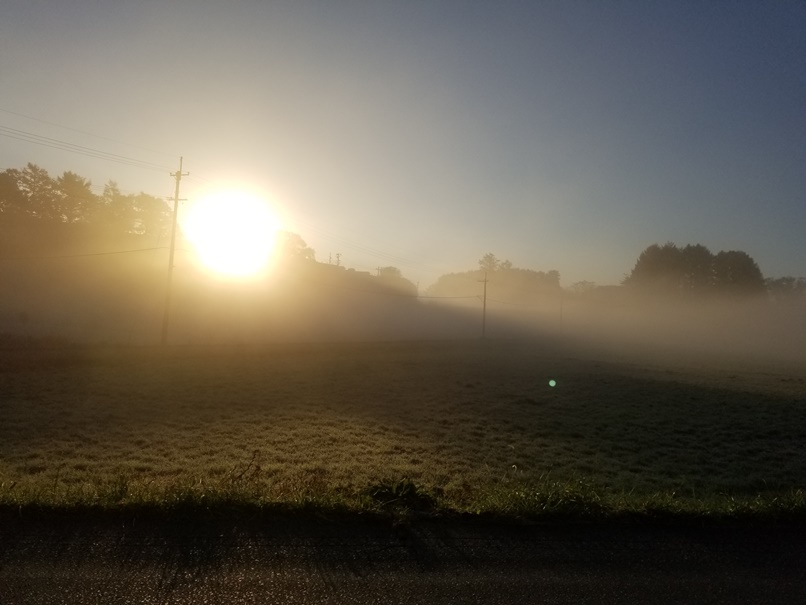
{"x": 484, "y": 309}
{"x": 167, "y": 311}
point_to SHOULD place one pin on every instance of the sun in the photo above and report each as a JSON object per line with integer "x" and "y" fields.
{"x": 232, "y": 231}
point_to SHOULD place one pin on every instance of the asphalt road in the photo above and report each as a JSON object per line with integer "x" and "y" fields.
{"x": 281, "y": 559}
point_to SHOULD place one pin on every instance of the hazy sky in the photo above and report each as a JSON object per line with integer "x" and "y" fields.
{"x": 423, "y": 134}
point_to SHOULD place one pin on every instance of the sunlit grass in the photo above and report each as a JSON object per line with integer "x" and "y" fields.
{"x": 436, "y": 428}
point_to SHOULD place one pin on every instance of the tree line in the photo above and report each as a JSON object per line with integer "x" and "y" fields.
{"x": 42, "y": 213}
{"x": 31, "y": 193}
{"x": 695, "y": 270}
{"x": 506, "y": 283}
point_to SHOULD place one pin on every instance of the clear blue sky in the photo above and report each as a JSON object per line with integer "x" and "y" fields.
{"x": 423, "y": 134}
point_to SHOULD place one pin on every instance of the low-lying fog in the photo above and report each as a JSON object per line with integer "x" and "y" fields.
{"x": 121, "y": 302}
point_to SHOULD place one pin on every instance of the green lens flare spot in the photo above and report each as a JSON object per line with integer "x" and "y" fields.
{"x": 552, "y": 383}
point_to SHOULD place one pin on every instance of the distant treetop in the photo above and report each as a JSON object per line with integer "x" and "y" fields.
{"x": 695, "y": 269}
{"x": 505, "y": 281}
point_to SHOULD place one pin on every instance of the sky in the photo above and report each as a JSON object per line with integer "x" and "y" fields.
{"x": 562, "y": 136}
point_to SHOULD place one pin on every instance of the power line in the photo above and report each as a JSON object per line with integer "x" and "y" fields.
{"x": 29, "y": 137}
{"x": 22, "y": 115}
{"x": 87, "y": 254}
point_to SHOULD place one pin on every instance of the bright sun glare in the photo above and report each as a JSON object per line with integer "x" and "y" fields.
{"x": 233, "y": 232}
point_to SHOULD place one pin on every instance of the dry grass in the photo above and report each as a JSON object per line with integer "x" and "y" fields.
{"x": 472, "y": 426}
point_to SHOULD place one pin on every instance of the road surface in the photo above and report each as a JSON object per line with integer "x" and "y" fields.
{"x": 303, "y": 559}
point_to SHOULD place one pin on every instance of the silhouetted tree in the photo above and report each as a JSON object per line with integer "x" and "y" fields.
{"x": 12, "y": 199}
{"x": 292, "y": 247}
{"x": 118, "y": 210}
{"x": 69, "y": 200}
{"x": 736, "y": 272}
{"x": 786, "y": 289}
{"x": 393, "y": 278}
{"x": 697, "y": 268}
{"x": 40, "y": 192}
{"x": 455, "y": 284}
{"x": 582, "y": 287}
{"x": 78, "y": 203}
{"x": 389, "y": 272}
{"x": 658, "y": 267}
{"x": 506, "y": 282}
{"x": 152, "y": 216}
{"x": 694, "y": 268}
{"x": 489, "y": 262}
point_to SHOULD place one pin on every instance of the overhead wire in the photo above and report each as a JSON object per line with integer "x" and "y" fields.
{"x": 54, "y": 143}
{"x": 36, "y": 139}
{"x": 111, "y": 140}
{"x": 83, "y": 255}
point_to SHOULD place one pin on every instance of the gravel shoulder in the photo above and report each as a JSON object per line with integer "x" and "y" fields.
{"x": 308, "y": 558}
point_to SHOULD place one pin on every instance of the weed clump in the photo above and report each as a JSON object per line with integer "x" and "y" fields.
{"x": 402, "y": 495}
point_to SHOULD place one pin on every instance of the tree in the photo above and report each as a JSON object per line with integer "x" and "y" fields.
{"x": 78, "y": 203}
{"x": 393, "y": 278}
{"x": 118, "y": 210}
{"x": 737, "y": 273}
{"x": 694, "y": 269}
{"x": 506, "y": 282}
{"x": 390, "y": 272}
{"x": 697, "y": 267}
{"x": 455, "y": 284}
{"x": 582, "y": 287}
{"x": 658, "y": 267}
{"x": 786, "y": 289}
{"x": 153, "y": 216}
{"x": 12, "y": 200}
{"x": 489, "y": 262}
{"x": 40, "y": 191}
{"x": 292, "y": 247}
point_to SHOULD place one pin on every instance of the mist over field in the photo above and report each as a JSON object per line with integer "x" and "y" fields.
{"x": 493, "y": 389}
{"x": 120, "y": 301}
{"x": 76, "y": 267}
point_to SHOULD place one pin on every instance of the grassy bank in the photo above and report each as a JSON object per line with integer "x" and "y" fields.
{"x": 390, "y": 428}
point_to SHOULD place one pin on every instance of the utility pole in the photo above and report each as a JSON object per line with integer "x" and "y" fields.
{"x": 484, "y": 309}
{"x": 167, "y": 311}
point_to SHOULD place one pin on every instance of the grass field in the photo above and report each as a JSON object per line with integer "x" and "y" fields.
{"x": 455, "y": 426}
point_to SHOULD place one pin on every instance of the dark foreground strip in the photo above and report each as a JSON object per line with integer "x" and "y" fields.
{"x": 197, "y": 556}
